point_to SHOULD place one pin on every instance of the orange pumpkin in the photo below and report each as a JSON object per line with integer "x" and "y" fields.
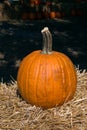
{"x": 52, "y": 14}
{"x": 37, "y": 2}
{"x": 46, "y": 78}
{"x": 31, "y": 15}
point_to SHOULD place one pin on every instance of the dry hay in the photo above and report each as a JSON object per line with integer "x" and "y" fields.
{"x": 16, "y": 114}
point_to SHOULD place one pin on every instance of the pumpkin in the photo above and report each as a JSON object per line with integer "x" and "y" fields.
{"x": 46, "y": 78}
{"x": 25, "y": 16}
{"x": 58, "y": 15}
{"x": 37, "y": 2}
{"x": 52, "y": 14}
{"x": 31, "y": 15}
{"x": 32, "y": 3}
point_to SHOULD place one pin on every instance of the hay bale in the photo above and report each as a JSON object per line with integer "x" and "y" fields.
{"x": 16, "y": 114}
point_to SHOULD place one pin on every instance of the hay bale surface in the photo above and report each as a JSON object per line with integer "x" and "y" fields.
{"x": 16, "y": 114}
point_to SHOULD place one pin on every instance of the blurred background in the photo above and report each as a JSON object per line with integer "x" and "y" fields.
{"x": 40, "y": 9}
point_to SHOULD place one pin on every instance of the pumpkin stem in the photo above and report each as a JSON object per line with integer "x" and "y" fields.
{"x": 47, "y": 41}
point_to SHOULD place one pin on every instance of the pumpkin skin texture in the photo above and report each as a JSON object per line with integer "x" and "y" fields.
{"x": 46, "y": 80}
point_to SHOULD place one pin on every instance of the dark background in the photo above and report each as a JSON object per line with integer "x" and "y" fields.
{"x": 19, "y": 38}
